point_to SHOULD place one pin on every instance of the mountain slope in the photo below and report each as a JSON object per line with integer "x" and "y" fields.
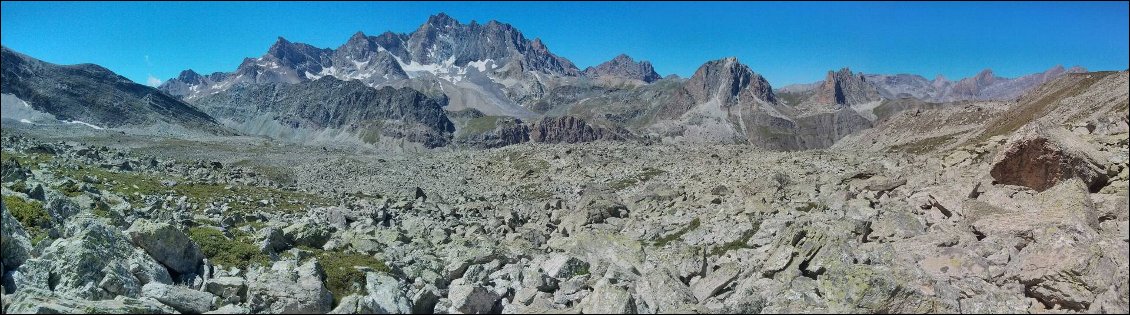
{"x": 94, "y": 95}
{"x": 329, "y": 109}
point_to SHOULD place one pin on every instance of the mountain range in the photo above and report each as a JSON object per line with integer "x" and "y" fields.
{"x": 487, "y": 85}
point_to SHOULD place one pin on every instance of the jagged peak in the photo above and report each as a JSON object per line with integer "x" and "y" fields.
{"x": 442, "y": 19}
{"x": 358, "y": 36}
{"x": 188, "y": 75}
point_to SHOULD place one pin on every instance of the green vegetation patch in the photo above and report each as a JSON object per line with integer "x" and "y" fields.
{"x": 647, "y": 174}
{"x": 31, "y": 215}
{"x": 674, "y": 236}
{"x": 342, "y": 272}
{"x": 480, "y": 125}
{"x": 741, "y": 243}
{"x": 239, "y": 252}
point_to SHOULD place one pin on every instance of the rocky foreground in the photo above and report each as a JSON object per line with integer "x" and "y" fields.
{"x": 1032, "y": 221}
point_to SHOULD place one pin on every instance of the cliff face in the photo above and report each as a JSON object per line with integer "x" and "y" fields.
{"x": 844, "y": 88}
{"x": 569, "y": 129}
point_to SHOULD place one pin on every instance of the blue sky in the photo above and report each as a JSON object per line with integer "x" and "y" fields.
{"x": 786, "y": 42}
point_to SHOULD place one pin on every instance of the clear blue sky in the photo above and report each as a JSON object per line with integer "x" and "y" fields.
{"x": 786, "y": 42}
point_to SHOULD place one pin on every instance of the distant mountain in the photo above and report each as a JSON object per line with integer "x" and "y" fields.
{"x": 491, "y": 67}
{"x": 623, "y": 67}
{"x": 331, "y": 109}
{"x": 844, "y": 88}
{"x": 94, "y": 95}
{"x": 982, "y": 87}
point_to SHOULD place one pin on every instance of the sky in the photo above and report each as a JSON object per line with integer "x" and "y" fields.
{"x": 787, "y": 43}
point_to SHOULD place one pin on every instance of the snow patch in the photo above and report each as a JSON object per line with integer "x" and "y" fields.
{"x": 25, "y": 121}
{"x": 85, "y": 124}
{"x": 482, "y": 64}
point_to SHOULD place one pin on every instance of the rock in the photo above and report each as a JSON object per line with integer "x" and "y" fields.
{"x": 307, "y": 234}
{"x": 1039, "y": 159}
{"x": 230, "y": 309}
{"x": 471, "y": 298}
{"x": 15, "y": 247}
{"x": 271, "y": 240}
{"x": 715, "y": 281}
{"x": 182, "y": 299}
{"x": 36, "y": 301}
{"x": 96, "y": 262}
{"x": 420, "y": 195}
{"x": 608, "y": 299}
{"x": 347, "y": 305}
{"x": 386, "y": 295}
{"x": 569, "y": 129}
{"x": 563, "y": 267}
{"x": 230, "y": 289}
{"x": 663, "y": 293}
{"x": 286, "y": 288}
{"x": 167, "y": 244}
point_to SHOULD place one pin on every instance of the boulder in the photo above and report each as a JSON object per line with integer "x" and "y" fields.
{"x": 15, "y": 247}
{"x": 471, "y": 298}
{"x": 36, "y": 301}
{"x": 167, "y": 244}
{"x": 1039, "y": 159}
{"x": 608, "y": 299}
{"x": 95, "y": 262}
{"x": 229, "y": 289}
{"x": 663, "y": 293}
{"x": 715, "y": 281}
{"x": 271, "y": 240}
{"x": 307, "y": 234}
{"x": 181, "y": 298}
{"x": 287, "y": 288}
{"x": 564, "y": 267}
{"x": 386, "y": 295}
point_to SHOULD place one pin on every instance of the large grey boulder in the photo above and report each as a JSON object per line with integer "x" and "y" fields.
{"x": 715, "y": 281}
{"x": 564, "y": 267}
{"x": 288, "y": 288}
{"x": 663, "y": 293}
{"x": 607, "y": 298}
{"x": 167, "y": 244}
{"x": 308, "y": 234}
{"x": 15, "y": 247}
{"x": 181, "y": 298}
{"x": 94, "y": 262}
{"x": 229, "y": 289}
{"x": 36, "y": 301}
{"x": 471, "y": 298}
{"x": 386, "y": 295}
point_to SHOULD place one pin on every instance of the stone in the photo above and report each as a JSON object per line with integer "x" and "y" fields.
{"x": 386, "y": 295}
{"x": 229, "y": 289}
{"x": 307, "y": 234}
{"x": 167, "y": 244}
{"x": 608, "y": 299}
{"x": 563, "y": 267}
{"x": 271, "y": 240}
{"x": 230, "y": 309}
{"x": 37, "y": 301}
{"x": 181, "y": 298}
{"x": 287, "y": 288}
{"x": 96, "y": 262}
{"x": 663, "y": 293}
{"x": 471, "y": 298}
{"x": 715, "y": 281}
{"x": 15, "y": 246}
{"x": 1039, "y": 159}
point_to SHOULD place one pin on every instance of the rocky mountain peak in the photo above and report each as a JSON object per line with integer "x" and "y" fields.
{"x": 727, "y": 79}
{"x": 189, "y": 76}
{"x": 844, "y": 88}
{"x": 623, "y": 66}
{"x": 442, "y": 20}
